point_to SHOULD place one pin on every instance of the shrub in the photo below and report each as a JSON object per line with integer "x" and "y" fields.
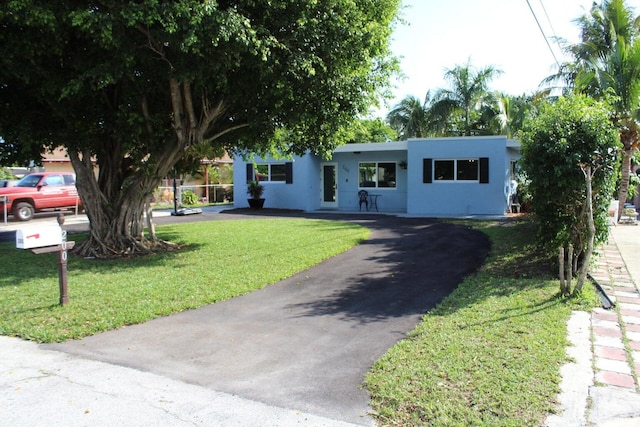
{"x": 567, "y": 140}
{"x": 189, "y": 198}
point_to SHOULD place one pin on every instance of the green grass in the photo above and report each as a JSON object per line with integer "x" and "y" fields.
{"x": 490, "y": 353}
{"x": 221, "y": 259}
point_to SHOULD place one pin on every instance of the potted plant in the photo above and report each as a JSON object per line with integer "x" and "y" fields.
{"x": 255, "y": 190}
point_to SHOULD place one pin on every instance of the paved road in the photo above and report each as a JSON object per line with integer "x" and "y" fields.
{"x": 305, "y": 343}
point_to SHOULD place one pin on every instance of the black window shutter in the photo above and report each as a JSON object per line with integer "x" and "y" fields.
{"x": 288, "y": 173}
{"x": 427, "y": 173}
{"x": 250, "y": 176}
{"x": 484, "y": 170}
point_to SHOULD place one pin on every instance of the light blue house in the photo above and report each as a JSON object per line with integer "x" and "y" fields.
{"x": 438, "y": 177}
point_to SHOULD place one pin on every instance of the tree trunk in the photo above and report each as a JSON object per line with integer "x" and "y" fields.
{"x": 149, "y": 215}
{"x": 629, "y": 140}
{"x": 115, "y": 207}
{"x": 563, "y": 282}
{"x": 627, "y": 153}
{"x": 586, "y": 260}
{"x": 115, "y": 201}
{"x": 570, "y": 269}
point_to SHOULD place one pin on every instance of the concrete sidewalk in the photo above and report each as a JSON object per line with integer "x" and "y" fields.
{"x": 50, "y": 388}
{"x": 609, "y": 340}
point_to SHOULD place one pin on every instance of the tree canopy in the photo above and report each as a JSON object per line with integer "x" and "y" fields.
{"x": 468, "y": 104}
{"x": 467, "y": 107}
{"x": 606, "y": 64}
{"x": 140, "y": 87}
{"x": 370, "y": 130}
{"x": 410, "y": 117}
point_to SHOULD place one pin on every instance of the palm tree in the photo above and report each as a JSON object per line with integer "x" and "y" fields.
{"x": 513, "y": 111}
{"x": 607, "y": 66}
{"x": 463, "y": 104}
{"x": 409, "y": 118}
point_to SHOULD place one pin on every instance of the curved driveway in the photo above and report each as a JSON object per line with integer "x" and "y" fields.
{"x": 305, "y": 343}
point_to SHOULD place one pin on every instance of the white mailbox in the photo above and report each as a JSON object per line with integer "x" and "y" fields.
{"x": 37, "y": 237}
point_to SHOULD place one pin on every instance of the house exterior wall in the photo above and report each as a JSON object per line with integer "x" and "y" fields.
{"x": 411, "y": 194}
{"x": 459, "y": 198}
{"x": 302, "y": 193}
{"x": 389, "y": 199}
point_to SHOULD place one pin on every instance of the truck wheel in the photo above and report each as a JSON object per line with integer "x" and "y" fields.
{"x": 23, "y": 211}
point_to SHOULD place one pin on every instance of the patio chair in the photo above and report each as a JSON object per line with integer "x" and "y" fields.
{"x": 363, "y": 196}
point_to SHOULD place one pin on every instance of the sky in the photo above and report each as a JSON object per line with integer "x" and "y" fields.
{"x": 440, "y": 34}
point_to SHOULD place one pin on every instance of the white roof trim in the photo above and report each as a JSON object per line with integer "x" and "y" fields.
{"x": 372, "y": 146}
{"x": 512, "y": 143}
{"x": 403, "y": 145}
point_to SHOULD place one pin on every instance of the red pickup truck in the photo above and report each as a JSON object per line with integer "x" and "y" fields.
{"x": 39, "y": 192}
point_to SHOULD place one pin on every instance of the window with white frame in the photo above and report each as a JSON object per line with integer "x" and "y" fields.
{"x": 452, "y": 170}
{"x": 456, "y": 170}
{"x": 377, "y": 175}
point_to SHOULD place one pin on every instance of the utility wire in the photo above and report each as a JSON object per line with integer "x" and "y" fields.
{"x": 543, "y": 34}
{"x": 544, "y": 9}
{"x": 553, "y": 31}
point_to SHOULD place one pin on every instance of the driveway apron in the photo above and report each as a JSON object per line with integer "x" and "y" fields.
{"x": 306, "y": 343}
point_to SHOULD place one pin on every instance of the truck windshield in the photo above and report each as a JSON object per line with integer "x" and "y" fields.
{"x": 29, "y": 181}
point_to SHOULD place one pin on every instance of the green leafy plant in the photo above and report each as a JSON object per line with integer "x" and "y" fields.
{"x": 189, "y": 198}
{"x": 255, "y": 189}
{"x": 5, "y": 173}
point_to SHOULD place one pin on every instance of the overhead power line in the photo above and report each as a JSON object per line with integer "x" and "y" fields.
{"x": 543, "y": 34}
{"x": 553, "y": 31}
{"x": 544, "y": 9}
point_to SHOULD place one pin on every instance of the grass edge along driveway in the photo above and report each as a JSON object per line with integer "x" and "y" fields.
{"x": 221, "y": 260}
{"x": 490, "y": 353}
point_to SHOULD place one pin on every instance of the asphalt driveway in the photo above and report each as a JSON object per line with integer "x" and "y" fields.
{"x": 305, "y": 343}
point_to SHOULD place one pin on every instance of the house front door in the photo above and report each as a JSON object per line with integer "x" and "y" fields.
{"x": 329, "y": 185}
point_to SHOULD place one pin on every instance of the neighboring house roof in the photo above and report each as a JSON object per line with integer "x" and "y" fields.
{"x": 59, "y": 155}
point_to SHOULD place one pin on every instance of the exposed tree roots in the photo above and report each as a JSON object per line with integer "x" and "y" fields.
{"x": 123, "y": 248}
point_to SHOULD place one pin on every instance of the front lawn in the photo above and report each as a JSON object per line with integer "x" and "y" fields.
{"x": 221, "y": 259}
{"x": 490, "y": 353}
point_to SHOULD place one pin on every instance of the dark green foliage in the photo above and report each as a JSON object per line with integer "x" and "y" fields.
{"x": 606, "y": 65}
{"x": 147, "y": 88}
{"x": 572, "y": 132}
{"x": 255, "y": 189}
{"x": 370, "y": 130}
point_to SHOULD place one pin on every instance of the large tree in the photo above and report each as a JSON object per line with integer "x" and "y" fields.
{"x": 139, "y": 87}
{"x": 606, "y": 65}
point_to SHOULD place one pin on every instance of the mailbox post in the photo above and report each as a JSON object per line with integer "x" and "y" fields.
{"x": 62, "y": 263}
{"x": 46, "y": 240}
